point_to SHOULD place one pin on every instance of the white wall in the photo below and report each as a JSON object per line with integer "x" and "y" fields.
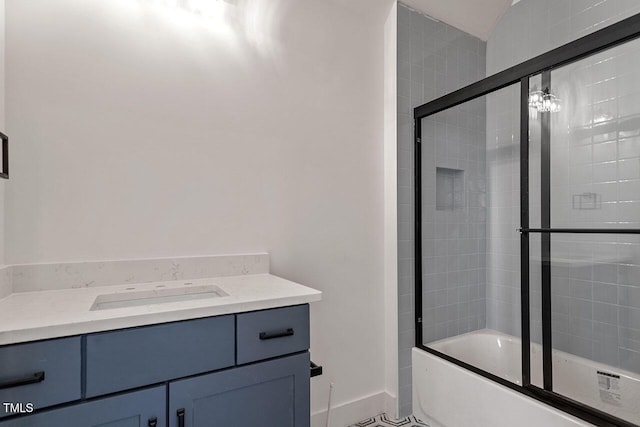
{"x": 391, "y": 290}
{"x": 144, "y": 130}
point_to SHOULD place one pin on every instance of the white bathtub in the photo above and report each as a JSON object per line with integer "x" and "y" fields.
{"x": 447, "y": 395}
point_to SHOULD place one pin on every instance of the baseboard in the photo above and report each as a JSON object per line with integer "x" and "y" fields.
{"x": 391, "y": 405}
{"x": 357, "y": 410}
{"x": 6, "y": 287}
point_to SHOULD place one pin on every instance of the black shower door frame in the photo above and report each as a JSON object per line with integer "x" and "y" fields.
{"x": 609, "y": 37}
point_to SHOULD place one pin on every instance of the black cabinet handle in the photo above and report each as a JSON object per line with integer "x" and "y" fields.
{"x": 180, "y": 413}
{"x": 153, "y": 422}
{"x": 279, "y": 334}
{"x": 32, "y": 379}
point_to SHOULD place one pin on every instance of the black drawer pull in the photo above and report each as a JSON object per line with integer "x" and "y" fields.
{"x": 180, "y": 414}
{"x": 32, "y": 379}
{"x": 153, "y": 422}
{"x": 271, "y": 335}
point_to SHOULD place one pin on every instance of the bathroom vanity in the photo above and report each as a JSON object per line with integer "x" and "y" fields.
{"x": 236, "y": 358}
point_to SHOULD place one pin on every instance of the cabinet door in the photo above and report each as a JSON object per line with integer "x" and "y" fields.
{"x": 268, "y": 394}
{"x": 144, "y": 408}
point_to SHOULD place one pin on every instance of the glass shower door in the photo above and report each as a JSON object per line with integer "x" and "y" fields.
{"x": 470, "y": 269}
{"x": 536, "y": 284}
{"x": 590, "y": 223}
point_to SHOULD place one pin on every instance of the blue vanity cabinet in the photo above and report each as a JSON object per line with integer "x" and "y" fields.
{"x": 145, "y": 408}
{"x": 274, "y": 393}
{"x": 232, "y": 370}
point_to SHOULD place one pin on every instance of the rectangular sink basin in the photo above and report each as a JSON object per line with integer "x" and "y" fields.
{"x": 160, "y": 295}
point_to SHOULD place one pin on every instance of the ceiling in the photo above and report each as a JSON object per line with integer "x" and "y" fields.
{"x": 472, "y": 16}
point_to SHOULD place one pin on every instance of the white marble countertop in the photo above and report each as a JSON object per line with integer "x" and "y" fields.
{"x": 29, "y": 316}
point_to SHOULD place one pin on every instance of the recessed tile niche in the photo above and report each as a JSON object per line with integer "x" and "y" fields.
{"x": 449, "y": 189}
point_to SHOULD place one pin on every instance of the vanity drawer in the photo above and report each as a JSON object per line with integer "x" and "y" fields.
{"x": 42, "y": 373}
{"x": 270, "y": 333}
{"x": 136, "y": 357}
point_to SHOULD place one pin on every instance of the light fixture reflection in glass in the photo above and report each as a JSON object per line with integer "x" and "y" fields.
{"x": 544, "y": 102}
{"x": 535, "y": 99}
{"x": 550, "y": 103}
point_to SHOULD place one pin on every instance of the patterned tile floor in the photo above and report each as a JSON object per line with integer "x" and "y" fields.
{"x": 383, "y": 421}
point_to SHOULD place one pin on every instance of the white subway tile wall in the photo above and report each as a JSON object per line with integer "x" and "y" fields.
{"x": 595, "y": 155}
{"x": 595, "y": 142}
{"x": 533, "y": 27}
